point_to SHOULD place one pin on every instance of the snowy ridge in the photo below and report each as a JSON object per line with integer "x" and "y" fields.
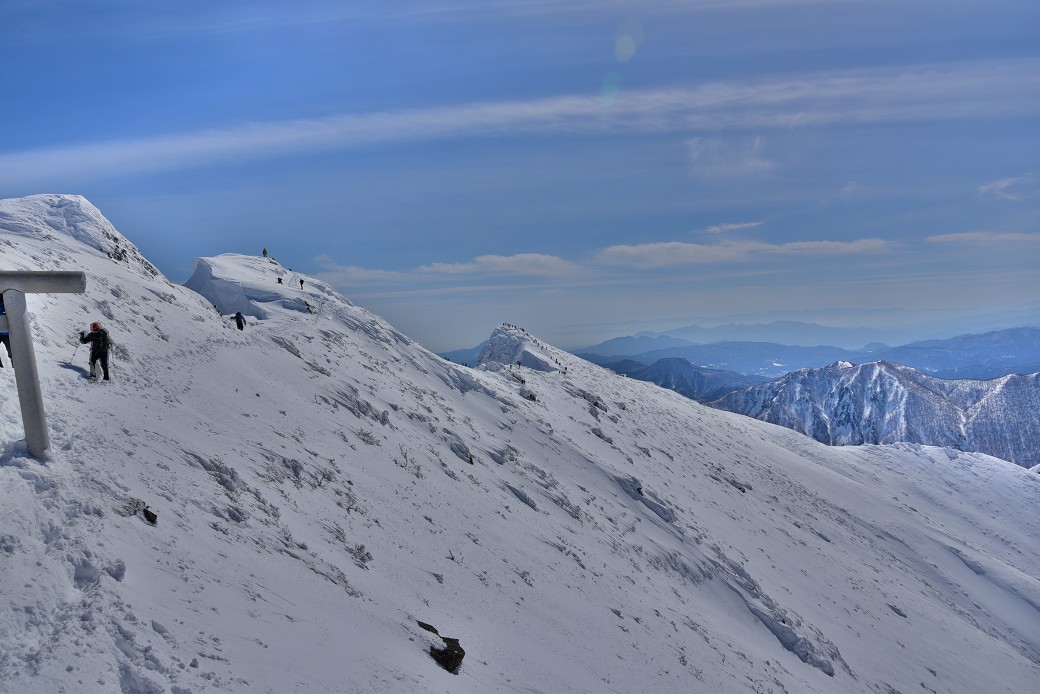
{"x": 50, "y": 217}
{"x": 258, "y": 287}
{"x": 322, "y": 483}
{"x": 880, "y": 402}
{"x": 511, "y": 346}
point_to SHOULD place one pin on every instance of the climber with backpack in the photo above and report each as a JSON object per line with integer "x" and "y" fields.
{"x": 99, "y": 344}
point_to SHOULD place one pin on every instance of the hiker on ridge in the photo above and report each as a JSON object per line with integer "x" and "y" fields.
{"x": 99, "y": 344}
{"x": 240, "y": 320}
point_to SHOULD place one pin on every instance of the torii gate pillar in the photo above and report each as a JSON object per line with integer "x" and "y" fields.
{"x": 14, "y": 286}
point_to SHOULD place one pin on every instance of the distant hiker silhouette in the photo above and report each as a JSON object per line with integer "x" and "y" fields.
{"x": 265, "y": 252}
{"x": 279, "y": 280}
{"x": 240, "y": 320}
{"x": 301, "y": 284}
{"x": 99, "y": 344}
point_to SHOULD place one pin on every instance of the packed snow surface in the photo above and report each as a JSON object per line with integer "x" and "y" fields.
{"x": 323, "y": 483}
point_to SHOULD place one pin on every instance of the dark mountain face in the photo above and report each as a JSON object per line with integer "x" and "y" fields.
{"x": 690, "y": 380}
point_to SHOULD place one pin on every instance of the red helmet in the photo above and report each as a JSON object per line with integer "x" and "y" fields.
{"x": 95, "y": 326}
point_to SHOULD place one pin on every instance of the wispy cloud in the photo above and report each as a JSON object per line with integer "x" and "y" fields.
{"x": 336, "y": 274}
{"x": 724, "y": 228}
{"x": 659, "y": 255}
{"x": 714, "y": 157}
{"x": 600, "y": 266}
{"x": 162, "y": 20}
{"x": 987, "y": 237}
{"x": 1016, "y": 188}
{"x": 962, "y": 90}
{"x": 522, "y": 264}
{"x": 519, "y": 265}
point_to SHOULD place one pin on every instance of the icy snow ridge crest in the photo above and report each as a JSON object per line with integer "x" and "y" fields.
{"x": 510, "y": 345}
{"x": 42, "y": 216}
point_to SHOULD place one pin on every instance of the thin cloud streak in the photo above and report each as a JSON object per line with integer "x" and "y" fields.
{"x": 724, "y": 228}
{"x": 523, "y": 264}
{"x": 857, "y": 97}
{"x": 985, "y": 237}
{"x": 336, "y": 274}
{"x": 665, "y": 254}
{"x": 1015, "y": 189}
{"x": 607, "y": 260}
{"x": 713, "y": 158}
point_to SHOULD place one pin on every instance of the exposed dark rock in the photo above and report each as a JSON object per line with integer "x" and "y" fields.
{"x": 450, "y": 657}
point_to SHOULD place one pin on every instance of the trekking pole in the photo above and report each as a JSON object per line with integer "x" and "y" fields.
{"x": 73, "y": 355}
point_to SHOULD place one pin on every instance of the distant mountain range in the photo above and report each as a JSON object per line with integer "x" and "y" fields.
{"x": 787, "y": 332}
{"x": 804, "y": 334}
{"x": 986, "y": 355}
{"x": 635, "y": 344}
{"x": 1015, "y": 350}
{"x": 695, "y": 382}
{"x": 882, "y": 402}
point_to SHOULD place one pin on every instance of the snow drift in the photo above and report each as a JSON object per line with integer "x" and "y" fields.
{"x": 322, "y": 484}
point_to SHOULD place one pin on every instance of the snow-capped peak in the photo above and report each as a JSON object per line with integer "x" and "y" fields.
{"x": 257, "y": 286}
{"x": 48, "y": 216}
{"x": 510, "y": 345}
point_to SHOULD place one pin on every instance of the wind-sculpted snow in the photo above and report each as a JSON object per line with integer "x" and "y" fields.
{"x": 509, "y": 346}
{"x": 879, "y": 402}
{"x": 53, "y": 217}
{"x": 322, "y": 484}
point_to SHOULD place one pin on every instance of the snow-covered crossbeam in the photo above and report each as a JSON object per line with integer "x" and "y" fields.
{"x": 14, "y": 285}
{"x": 49, "y": 282}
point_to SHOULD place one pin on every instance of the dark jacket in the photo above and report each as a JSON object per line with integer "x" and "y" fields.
{"x": 98, "y": 340}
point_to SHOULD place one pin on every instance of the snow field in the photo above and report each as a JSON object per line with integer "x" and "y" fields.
{"x": 315, "y": 497}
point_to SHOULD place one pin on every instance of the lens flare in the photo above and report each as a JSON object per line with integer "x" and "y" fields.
{"x": 628, "y": 39}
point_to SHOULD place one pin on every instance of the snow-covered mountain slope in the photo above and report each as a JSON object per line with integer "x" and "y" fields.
{"x": 322, "y": 483}
{"x": 880, "y": 402}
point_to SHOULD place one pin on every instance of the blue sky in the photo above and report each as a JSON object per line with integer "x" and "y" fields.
{"x": 584, "y": 168}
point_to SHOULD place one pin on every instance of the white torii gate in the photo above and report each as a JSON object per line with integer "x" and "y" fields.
{"x": 14, "y": 286}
